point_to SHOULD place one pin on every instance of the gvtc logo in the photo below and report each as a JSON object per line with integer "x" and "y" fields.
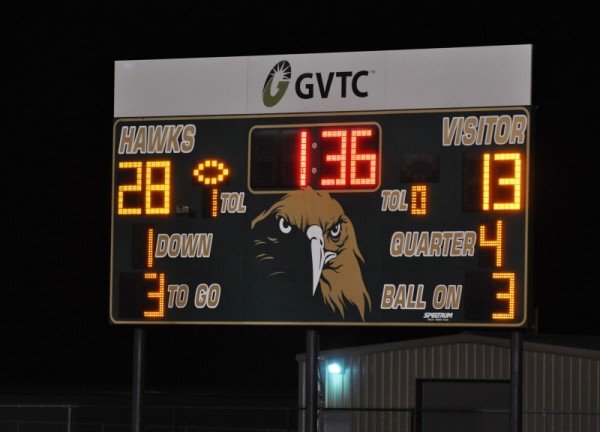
{"x": 309, "y": 84}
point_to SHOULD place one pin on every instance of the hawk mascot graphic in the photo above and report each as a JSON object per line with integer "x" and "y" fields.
{"x": 306, "y": 239}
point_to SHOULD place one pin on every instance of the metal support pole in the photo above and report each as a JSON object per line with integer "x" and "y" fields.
{"x": 516, "y": 381}
{"x": 311, "y": 399}
{"x": 138, "y": 379}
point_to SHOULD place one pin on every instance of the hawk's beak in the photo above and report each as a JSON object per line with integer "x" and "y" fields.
{"x": 320, "y": 257}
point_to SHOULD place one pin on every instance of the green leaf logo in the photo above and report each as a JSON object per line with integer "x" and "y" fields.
{"x": 277, "y": 83}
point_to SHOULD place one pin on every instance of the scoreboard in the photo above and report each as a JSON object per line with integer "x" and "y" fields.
{"x": 317, "y": 205}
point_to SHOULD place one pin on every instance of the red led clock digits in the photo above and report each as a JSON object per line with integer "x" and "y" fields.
{"x": 338, "y": 158}
{"x": 303, "y": 158}
{"x": 355, "y": 158}
{"x": 348, "y": 161}
{"x": 343, "y": 157}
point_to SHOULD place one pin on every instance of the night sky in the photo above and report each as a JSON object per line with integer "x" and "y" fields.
{"x": 57, "y": 161}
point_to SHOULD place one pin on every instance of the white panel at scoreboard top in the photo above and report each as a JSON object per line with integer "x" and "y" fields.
{"x": 326, "y": 82}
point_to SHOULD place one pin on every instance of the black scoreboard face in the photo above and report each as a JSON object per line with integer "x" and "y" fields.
{"x": 413, "y": 218}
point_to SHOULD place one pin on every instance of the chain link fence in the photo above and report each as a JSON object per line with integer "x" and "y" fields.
{"x": 75, "y": 418}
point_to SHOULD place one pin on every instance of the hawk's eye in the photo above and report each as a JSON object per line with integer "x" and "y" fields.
{"x": 284, "y": 226}
{"x": 335, "y": 231}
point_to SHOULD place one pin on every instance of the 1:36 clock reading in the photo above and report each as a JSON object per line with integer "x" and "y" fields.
{"x": 337, "y": 157}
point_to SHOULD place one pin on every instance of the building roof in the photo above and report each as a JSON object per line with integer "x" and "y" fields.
{"x": 579, "y": 346}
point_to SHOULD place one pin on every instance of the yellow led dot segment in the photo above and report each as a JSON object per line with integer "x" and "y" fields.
{"x": 418, "y": 200}
{"x": 484, "y": 241}
{"x": 508, "y": 296}
{"x": 158, "y": 295}
{"x": 135, "y": 187}
{"x": 215, "y": 202}
{"x": 485, "y": 193}
{"x": 514, "y": 182}
{"x": 211, "y": 172}
{"x": 150, "y": 260}
{"x": 158, "y": 189}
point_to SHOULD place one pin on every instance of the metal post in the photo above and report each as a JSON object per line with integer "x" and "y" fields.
{"x": 516, "y": 381}
{"x": 138, "y": 379}
{"x": 311, "y": 393}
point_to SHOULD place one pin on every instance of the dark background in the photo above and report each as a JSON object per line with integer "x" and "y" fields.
{"x": 57, "y": 161}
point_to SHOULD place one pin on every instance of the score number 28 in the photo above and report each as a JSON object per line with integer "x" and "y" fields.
{"x": 146, "y": 188}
